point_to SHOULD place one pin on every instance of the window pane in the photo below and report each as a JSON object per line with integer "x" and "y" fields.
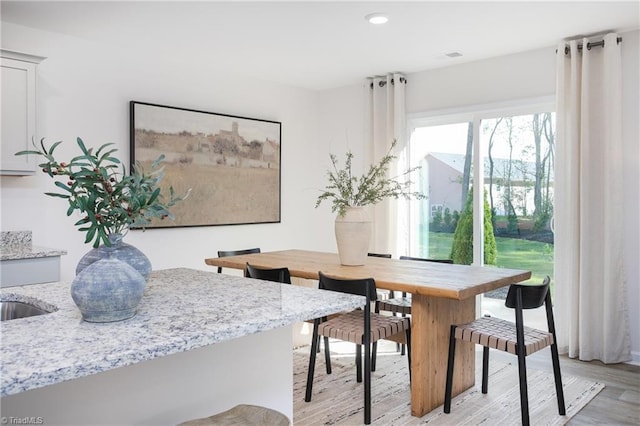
{"x": 445, "y": 155}
{"x": 518, "y": 176}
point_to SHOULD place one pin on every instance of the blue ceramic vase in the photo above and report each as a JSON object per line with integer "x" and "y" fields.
{"x": 121, "y": 251}
{"x": 108, "y": 290}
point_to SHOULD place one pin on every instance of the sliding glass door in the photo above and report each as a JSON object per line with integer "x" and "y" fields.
{"x": 507, "y": 221}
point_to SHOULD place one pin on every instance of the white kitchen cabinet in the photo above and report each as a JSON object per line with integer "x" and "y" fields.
{"x": 18, "y": 123}
{"x": 23, "y": 263}
{"x": 29, "y": 271}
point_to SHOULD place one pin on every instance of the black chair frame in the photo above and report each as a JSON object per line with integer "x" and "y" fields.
{"x": 363, "y": 287}
{"x": 280, "y": 275}
{"x": 383, "y": 255}
{"x": 519, "y": 297}
{"x": 225, "y": 253}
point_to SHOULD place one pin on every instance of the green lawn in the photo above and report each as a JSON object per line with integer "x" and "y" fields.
{"x": 512, "y": 253}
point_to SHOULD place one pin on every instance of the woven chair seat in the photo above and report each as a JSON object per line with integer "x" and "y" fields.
{"x": 514, "y": 338}
{"x": 398, "y": 305}
{"x": 349, "y": 327}
{"x": 499, "y": 334}
{"x": 361, "y": 327}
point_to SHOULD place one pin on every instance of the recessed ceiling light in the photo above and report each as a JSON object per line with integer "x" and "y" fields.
{"x": 376, "y": 18}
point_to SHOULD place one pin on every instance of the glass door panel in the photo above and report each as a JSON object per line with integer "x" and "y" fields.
{"x": 444, "y": 153}
{"x": 518, "y": 180}
{"x": 518, "y": 155}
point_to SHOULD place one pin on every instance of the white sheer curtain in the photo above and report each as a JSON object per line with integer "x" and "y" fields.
{"x": 386, "y": 121}
{"x": 590, "y": 294}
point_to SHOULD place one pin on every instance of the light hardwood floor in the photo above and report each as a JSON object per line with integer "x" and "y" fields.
{"x": 617, "y": 404}
{"x": 619, "y": 401}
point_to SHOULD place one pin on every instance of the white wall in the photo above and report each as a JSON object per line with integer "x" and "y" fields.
{"x": 524, "y": 75}
{"x": 84, "y": 89}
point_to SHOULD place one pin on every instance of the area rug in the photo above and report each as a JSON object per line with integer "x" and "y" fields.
{"x": 338, "y": 399}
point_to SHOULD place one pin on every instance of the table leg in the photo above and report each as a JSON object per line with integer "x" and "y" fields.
{"x": 431, "y": 319}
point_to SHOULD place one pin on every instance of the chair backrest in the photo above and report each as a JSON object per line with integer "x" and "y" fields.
{"x": 279, "y": 275}
{"x": 225, "y": 253}
{"x": 385, "y": 255}
{"x": 361, "y": 287}
{"x": 426, "y": 260}
{"x": 533, "y": 296}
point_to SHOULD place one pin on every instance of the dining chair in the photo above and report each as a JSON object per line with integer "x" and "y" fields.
{"x": 382, "y": 294}
{"x": 225, "y": 253}
{"x": 383, "y": 255}
{"x": 280, "y": 275}
{"x": 401, "y": 305}
{"x": 516, "y": 339}
{"x": 361, "y": 327}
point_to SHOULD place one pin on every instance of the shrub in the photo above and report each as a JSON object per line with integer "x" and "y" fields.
{"x": 447, "y": 220}
{"x": 542, "y": 219}
{"x": 462, "y": 247}
{"x": 455, "y": 217}
{"x": 512, "y": 223}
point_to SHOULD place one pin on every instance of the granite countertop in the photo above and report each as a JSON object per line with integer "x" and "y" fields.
{"x": 182, "y": 309}
{"x": 28, "y": 252}
{"x": 16, "y": 245}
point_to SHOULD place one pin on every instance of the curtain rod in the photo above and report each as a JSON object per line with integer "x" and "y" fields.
{"x": 383, "y": 83}
{"x": 590, "y": 45}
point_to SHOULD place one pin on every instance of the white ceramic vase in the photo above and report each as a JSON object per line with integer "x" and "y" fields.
{"x": 353, "y": 234}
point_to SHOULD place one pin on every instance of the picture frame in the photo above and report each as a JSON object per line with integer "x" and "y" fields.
{"x": 230, "y": 163}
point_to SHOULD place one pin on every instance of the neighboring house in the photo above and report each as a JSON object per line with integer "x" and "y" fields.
{"x": 444, "y": 181}
{"x": 445, "y": 172}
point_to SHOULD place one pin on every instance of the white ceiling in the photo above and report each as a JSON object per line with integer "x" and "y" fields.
{"x": 321, "y": 45}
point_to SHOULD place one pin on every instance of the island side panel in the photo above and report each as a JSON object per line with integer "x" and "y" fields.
{"x": 255, "y": 369}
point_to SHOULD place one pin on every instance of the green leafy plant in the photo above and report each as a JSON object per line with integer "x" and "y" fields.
{"x": 96, "y": 184}
{"x": 462, "y": 247}
{"x": 346, "y": 190}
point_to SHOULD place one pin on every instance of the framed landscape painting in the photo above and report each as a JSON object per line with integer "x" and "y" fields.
{"x": 231, "y": 163}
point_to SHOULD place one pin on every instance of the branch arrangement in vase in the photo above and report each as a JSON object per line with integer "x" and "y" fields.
{"x": 346, "y": 190}
{"x": 96, "y": 184}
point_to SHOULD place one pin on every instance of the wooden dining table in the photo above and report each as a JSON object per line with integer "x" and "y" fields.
{"x": 442, "y": 294}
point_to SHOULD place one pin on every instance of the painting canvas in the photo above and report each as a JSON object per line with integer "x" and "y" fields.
{"x": 231, "y": 163}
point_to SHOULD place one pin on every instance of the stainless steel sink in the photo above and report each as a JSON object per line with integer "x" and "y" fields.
{"x": 13, "y": 310}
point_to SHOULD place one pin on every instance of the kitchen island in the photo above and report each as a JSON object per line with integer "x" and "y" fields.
{"x": 200, "y": 343}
